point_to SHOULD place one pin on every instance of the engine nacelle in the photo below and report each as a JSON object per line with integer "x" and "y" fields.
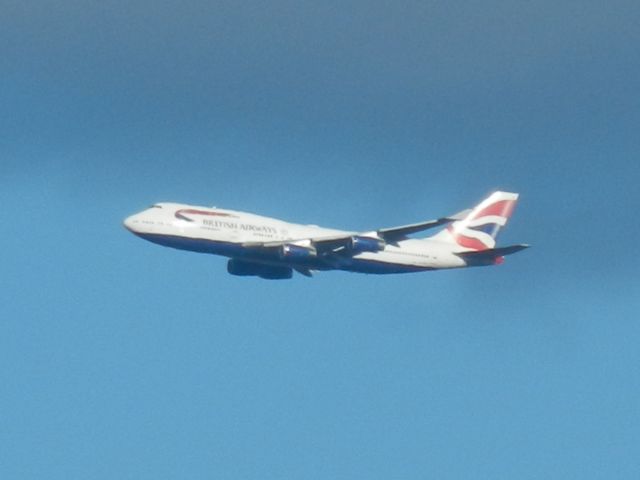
{"x": 292, "y": 251}
{"x": 270, "y": 272}
{"x": 360, "y": 243}
{"x": 243, "y": 268}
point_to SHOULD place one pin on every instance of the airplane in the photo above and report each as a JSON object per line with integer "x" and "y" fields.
{"x": 273, "y": 249}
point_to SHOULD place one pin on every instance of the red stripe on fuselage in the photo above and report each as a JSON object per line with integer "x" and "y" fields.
{"x": 190, "y": 211}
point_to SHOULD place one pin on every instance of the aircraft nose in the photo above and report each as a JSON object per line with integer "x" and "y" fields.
{"x": 129, "y": 223}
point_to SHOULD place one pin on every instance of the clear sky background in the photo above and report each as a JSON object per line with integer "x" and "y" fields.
{"x": 121, "y": 359}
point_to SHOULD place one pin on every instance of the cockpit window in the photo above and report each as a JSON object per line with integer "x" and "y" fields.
{"x": 156, "y": 206}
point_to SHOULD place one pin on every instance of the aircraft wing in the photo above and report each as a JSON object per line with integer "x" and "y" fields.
{"x": 320, "y": 243}
{"x": 397, "y": 233}
{"x": 338, "y": 243}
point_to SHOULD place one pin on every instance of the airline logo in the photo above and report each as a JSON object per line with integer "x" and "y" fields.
{"x": 479, "y": 230}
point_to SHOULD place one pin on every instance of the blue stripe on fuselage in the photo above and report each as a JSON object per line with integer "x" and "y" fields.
{"x": 200, "y": 245}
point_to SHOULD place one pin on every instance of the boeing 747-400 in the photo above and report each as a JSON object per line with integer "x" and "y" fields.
{"x": 269, "y": 248}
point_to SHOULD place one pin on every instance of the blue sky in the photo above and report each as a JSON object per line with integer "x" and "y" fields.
{"x": 120, "y": 359}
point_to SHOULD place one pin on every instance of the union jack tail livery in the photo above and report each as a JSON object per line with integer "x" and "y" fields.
{"x": 479, "y": 229}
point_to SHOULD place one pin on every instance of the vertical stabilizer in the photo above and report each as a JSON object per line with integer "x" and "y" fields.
{"x": 479, "y": 229}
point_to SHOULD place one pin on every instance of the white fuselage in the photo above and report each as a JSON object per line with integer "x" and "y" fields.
{"x": 233, "y": 234}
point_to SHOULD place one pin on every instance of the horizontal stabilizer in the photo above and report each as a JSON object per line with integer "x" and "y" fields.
{"x": 491, "y": 255}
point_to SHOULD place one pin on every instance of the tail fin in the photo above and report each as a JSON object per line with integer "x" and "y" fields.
{"x": 479, "y": 229}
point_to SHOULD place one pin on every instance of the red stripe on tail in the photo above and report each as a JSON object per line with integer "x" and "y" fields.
{"x": 503, "y": 208}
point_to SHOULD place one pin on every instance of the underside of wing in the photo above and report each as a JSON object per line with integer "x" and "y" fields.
{"x": 318, "y": 243}
{"x": 316, "y": 246}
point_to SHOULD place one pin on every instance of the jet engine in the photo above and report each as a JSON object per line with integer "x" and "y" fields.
{"x": 244, "y": 268}
{"x": 360, "y": 243}
{"x": 276, "y": 273}
{"x": 292, "y": 251}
